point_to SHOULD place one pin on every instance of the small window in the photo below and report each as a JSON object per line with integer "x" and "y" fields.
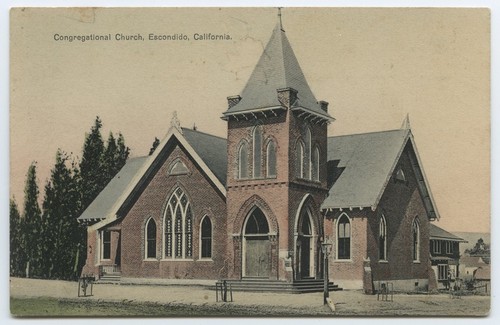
{"x": 442, "y": 271}
{"x": 436, "y": 246}
{"x": 300, "y": 160}
{"x": 106, "y": 245}
{"x": 382, "y": 239}
{"x": 448, "y": 247}
{"x": 257, "y": 151}
{"x": 307, "y": 155}
{"x": 416, "y": 240}
{"x": 178, "y": 168}
{"x": 400, "y": 175}
{"x": 315, "y": 165}
{"x": 344, "y": 238}
{"x": 271, "y": 159}
{"x": 206, "y": 238}
{"x": 151, "y": 239}
{"x": 243, "y": 161}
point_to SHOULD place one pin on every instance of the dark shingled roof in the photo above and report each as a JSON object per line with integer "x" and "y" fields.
{"x": 362, "y": 163}
{"x": 211, "y": 149}
{"x": 103, "y": 204}
{"x": 439, "y": 233}
{"x": 277, "y": 68}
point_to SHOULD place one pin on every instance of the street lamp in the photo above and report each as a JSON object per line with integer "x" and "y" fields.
{"x": 325, "y": 248}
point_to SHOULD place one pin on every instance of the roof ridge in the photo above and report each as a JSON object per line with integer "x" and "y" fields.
{"x": 205, "y": 133}
{"x": 373, "y": 132}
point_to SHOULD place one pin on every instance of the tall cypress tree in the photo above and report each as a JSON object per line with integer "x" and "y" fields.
{"x": 17, "y": 256}
{"x": 32, "y": 224}
{"x": 122, "y": 154}
{"x": 62, "y": 233}
{"x": 91, "y": 172}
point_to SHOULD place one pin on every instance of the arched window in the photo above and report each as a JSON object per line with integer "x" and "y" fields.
{"x": 382, "y": 239}
{"x": 206, "y": 238}
{"x": 243, "y": 161}
{"x": 315, "y": 164}
{"x": 177, "y": 168}
{"x": 150, "y": 238}
{"x": 344, "y": 238}
{"x": 271, "y": 159}
{"x": 300, "y": 160}
{"x": 257, "y": 151}
{"x": 106, "y": 245}
{"x": 256, "y": 223}
{"x": 178, "y": 226}
{"x": 307, "y": 155}
{"x": 416, "y": 240}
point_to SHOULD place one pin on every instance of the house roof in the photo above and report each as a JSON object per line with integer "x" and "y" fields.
{"x": 277, "y": 68}
{"x": 483, "y": 273}
{"x": 439, "y": 233}
{"x": 211, "y": 149}
{"x": 472, "y": 261}
{"x": 104, "y": 202}
{"x": 363, "y": 165}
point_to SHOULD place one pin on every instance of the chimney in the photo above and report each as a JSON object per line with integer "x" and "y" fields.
{"x": 323, "y": 105}
{"x": 287, "y": 96}
{"x": 233, "y": 100}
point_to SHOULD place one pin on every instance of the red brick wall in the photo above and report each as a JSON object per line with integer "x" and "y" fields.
{"x": 204, "y": 199}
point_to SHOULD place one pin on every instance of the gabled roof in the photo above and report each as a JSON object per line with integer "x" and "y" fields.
{"x": 277, "y": 68}
{"x": 363, "y": 165}
{"x": 208, "y": 151}
{"x": 104, "y": 202}
{"x": 472, "y": 261}
{"x": 439, "y": 233}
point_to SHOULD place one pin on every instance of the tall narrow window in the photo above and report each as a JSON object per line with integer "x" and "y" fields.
{"x": 382, "y": 239}
{"x": 243, "y": 161}
{"x": 271, "y": 159}
{"x": 344, "y": 238}
{"x": 178, "y": 226}
{"x": 307, "y": 155}
{"x": 257, "y": 151}
{"x": 315, "y": 164}
{"x": 151, "y": 239}
{"x": 416, "y": 240}
{"x": 206, "y": 238}
{"x": 300, "y": 160}
{"x": 106, "y": 245}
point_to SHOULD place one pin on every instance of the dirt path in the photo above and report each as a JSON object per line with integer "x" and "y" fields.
{"x": 346, "y": 302}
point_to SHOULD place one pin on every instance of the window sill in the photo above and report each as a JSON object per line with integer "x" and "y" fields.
{"x": 106, "y": 260}
{"x": 343, "y": 261}
{"x": 150, "y": 260}
{"x": 205, "y": 259}
{"x": 383, "y": 261}
{"x": 416, "y": 262}
{"x": 177, "y": 260}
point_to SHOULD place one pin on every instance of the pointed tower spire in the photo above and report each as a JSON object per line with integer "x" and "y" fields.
{"x": 276, "y": 70}
{"x": 279, "y": 18}
{"x": 175, "y": 123}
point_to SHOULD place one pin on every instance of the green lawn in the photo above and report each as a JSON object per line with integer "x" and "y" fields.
{"x": 51, "y": 307}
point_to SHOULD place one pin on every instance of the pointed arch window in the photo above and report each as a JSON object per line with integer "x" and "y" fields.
{"x": 307, "y": 155}
{"x": 300, "y": 160}
{"x": 382, "y": 239}
{"x": 344, "y": 238}
{"x": 206, "y": 238}
{"x": 257, "y": 151}
{"x": 178, "y": 226}
{"x": 416, "y": 240}
{"x": 150, "y": 239}
{"x": 243, "y": 160}
{"x": 271, "y": 159}
{"x": 315, "y": 164}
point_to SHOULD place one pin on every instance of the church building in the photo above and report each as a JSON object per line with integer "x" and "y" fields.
{"x": 261, "y": 203}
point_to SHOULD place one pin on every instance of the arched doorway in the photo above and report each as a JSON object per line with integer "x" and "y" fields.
{"x": 305, "y": 246}
{"x": 257, "y": 248}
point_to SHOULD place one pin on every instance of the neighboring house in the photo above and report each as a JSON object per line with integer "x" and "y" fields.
{"x": 482, "y": 275}
{"x": 259, "y": 204}
{"x": 469, "y": 264}
{"x": 445, "y": 255}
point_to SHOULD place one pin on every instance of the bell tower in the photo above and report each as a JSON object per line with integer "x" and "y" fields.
{"x": 276, "y": 176}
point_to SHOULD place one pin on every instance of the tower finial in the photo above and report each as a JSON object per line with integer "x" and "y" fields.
{"x": 279, "y": 17}
{"x": 406, "y": 122}
{"x": 174, "y": 122}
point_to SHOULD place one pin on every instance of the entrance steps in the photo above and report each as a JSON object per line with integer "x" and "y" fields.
{"x": 266, "y": 285}
{"x": 110, "y": 278}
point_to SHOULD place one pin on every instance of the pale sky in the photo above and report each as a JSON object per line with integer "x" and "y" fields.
{"x": 373, "y": 65}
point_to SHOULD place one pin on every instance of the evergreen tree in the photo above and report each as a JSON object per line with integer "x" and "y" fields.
{"x": 109, "y": 158}
{"x": 31, "y": 229}
{"x": 17, "y": 257}
{"x": 91, "y": 174}
{"x": 62, "y": 233}
{"x": 154, "y": 146}
{"x": 122, "y": 153}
